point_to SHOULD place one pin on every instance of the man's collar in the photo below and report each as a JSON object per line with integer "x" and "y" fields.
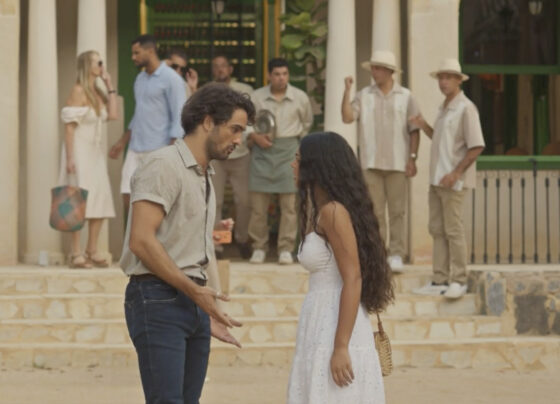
{"x": 455, "y": 101}
{"x": 289, "y": 94}
{"x": 396, "y": 88}
{"x": 189, "y": 160}
{"x": 162, "y": 65}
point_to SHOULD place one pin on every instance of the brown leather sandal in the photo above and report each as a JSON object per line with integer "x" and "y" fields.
{"x": 79, "y": 261}
{"x": 94, "y": 259}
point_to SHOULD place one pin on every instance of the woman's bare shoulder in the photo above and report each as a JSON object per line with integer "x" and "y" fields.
{"x": 77, "y": 96}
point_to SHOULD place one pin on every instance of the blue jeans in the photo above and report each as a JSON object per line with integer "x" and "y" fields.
{"x": 171, "y": 335}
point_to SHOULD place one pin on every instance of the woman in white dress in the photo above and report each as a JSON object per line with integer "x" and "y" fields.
{"x": 83, "y": 161}
{"x": 335, "y": 360}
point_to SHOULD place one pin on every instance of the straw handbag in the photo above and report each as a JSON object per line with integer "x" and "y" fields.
{"x": 383, "y": 347}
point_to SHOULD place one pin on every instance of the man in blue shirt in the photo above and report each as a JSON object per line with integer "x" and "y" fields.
{"x": 160, "y": 95}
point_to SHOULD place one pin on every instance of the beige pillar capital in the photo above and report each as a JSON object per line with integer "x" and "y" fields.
{"x": 43, "y": 146}
{"x": 341, "y": 62}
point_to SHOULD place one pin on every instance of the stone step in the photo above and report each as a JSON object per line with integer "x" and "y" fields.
{"x": 244, "y": 279}
{"x": 254, "y": 330}
{"x": 279, "y": 279}
{"x": 521, "y": 353}
{"x": 110, "y": 305}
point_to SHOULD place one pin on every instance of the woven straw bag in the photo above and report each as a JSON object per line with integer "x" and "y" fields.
{"x": 383, "y": 347}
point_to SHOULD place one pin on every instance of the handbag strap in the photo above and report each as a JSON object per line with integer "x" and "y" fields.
{"x": 72, "y": 180}
{"x": 379, "y": 324}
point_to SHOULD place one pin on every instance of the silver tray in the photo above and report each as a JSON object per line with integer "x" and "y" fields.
{"x": 265, "y": 123}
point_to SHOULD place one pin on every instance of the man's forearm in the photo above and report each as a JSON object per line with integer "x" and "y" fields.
{"x": 414, "y": 142}
{"x": 428, "y": 130}
{"x": 346, "y": 108}
{"x": 472, "y": 155}
{"x": 125, "y": 138}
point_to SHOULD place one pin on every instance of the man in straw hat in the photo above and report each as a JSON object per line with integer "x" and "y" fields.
{"x": 387, "y": 143}
{"x": 456, "y": 143}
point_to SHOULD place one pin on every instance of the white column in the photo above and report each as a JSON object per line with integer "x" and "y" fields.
{"x": 92, "y": 27}
{"x": 9, "y": 127}
{"x": 43, "y": 145}
{"x": 341, "y": 62}
{"x": 424, "y": 57}
{"x": 92, "y": 35}
{"x": 386, "y": 30}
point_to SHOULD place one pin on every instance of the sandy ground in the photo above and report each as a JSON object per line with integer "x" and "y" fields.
{"x": 267, "y": 385}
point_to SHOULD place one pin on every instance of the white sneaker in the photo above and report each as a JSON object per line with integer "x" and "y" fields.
{"x": 431, "y": 289}
{"x": 396, "y": 264}
{"x": 455, "y": 291}
{"x": 258, "y": 257}
{"x": 285, "y": 258}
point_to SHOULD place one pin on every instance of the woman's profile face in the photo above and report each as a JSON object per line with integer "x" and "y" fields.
{"x": 95, "y": 68}
{"x": 295, "y": 167}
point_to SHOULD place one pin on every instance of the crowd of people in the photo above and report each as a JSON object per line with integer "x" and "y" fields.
{"x": 184, "y": 143}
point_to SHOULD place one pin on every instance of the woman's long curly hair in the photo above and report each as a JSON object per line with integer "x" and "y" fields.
{"x": 328, "y": 162}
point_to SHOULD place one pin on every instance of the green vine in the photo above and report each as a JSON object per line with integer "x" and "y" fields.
{"x": 304, "y": 41}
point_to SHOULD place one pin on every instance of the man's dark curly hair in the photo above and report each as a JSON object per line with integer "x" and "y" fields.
{"x": 328, "y": 162}
{"x": 218, "y": 101}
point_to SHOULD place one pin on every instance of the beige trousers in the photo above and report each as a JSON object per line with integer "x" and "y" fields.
{"x": 447, "y": 229}
{"x": 258, "y": 224}
{"x": 237, "y": 171}
{"x": 387, "y": 189}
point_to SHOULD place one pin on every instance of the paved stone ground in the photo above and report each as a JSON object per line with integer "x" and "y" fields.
{"x": 267, "y": 385}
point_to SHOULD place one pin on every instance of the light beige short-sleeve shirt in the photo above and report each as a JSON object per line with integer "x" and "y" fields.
{"x": 456, "y": 130}
{"x": 294, "y": 115}
{"x": 242, "y": 149}
{"x": 383, "y": 126}
{"x": 172, "y": 178}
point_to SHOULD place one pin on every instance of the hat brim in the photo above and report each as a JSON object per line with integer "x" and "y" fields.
{"x": 463, "y": 76}
{"x": 368, "y": 63}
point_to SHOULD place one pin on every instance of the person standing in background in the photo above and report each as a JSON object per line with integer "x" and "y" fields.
{"x": 160, "y": 95}
{"x": 83, "y": 159}
{"x": 235, "y": 168}
{"x": 271, "y": 155}
{"x": 177, "y": 60}
{"x": 387, "y": 143}
{"x": 457, "y": 141}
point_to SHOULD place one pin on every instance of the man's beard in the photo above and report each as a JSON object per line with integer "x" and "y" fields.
{"x": 212, "y": 147}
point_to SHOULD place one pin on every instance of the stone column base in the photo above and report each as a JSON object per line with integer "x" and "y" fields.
{"x": 46, "y": 257}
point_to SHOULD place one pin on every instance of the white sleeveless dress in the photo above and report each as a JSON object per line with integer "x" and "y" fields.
{"x": 90, "y": 160}
{"x": 311, "y": 381}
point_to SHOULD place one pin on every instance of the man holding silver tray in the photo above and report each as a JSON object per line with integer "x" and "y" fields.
{"x": 284, "y": 115}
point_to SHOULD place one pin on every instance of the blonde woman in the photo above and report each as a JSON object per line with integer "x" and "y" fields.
{"x": 83, "y": 161}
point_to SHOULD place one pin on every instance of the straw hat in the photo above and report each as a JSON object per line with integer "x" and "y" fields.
{"x": 382, "y": 58}
{"x": 450, "y": 66}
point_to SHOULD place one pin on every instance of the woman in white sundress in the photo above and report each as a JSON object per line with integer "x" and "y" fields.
{"x": 83, "y": 161}
{"x": 335, "y": 360}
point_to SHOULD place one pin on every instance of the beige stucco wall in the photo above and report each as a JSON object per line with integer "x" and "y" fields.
{"x": 433, "y": 35}
{"x": 9, "y": 123}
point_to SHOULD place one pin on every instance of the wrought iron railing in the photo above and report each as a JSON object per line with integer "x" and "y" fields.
{"x": 513, "y": 215}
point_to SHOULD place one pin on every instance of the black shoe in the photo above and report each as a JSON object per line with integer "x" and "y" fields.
{"x": 245, "y": 250}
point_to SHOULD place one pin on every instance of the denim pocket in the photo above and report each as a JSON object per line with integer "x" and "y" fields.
{"x": 157, "y": 292}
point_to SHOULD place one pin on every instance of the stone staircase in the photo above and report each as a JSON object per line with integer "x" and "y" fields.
{"x": 52, "y": 317}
